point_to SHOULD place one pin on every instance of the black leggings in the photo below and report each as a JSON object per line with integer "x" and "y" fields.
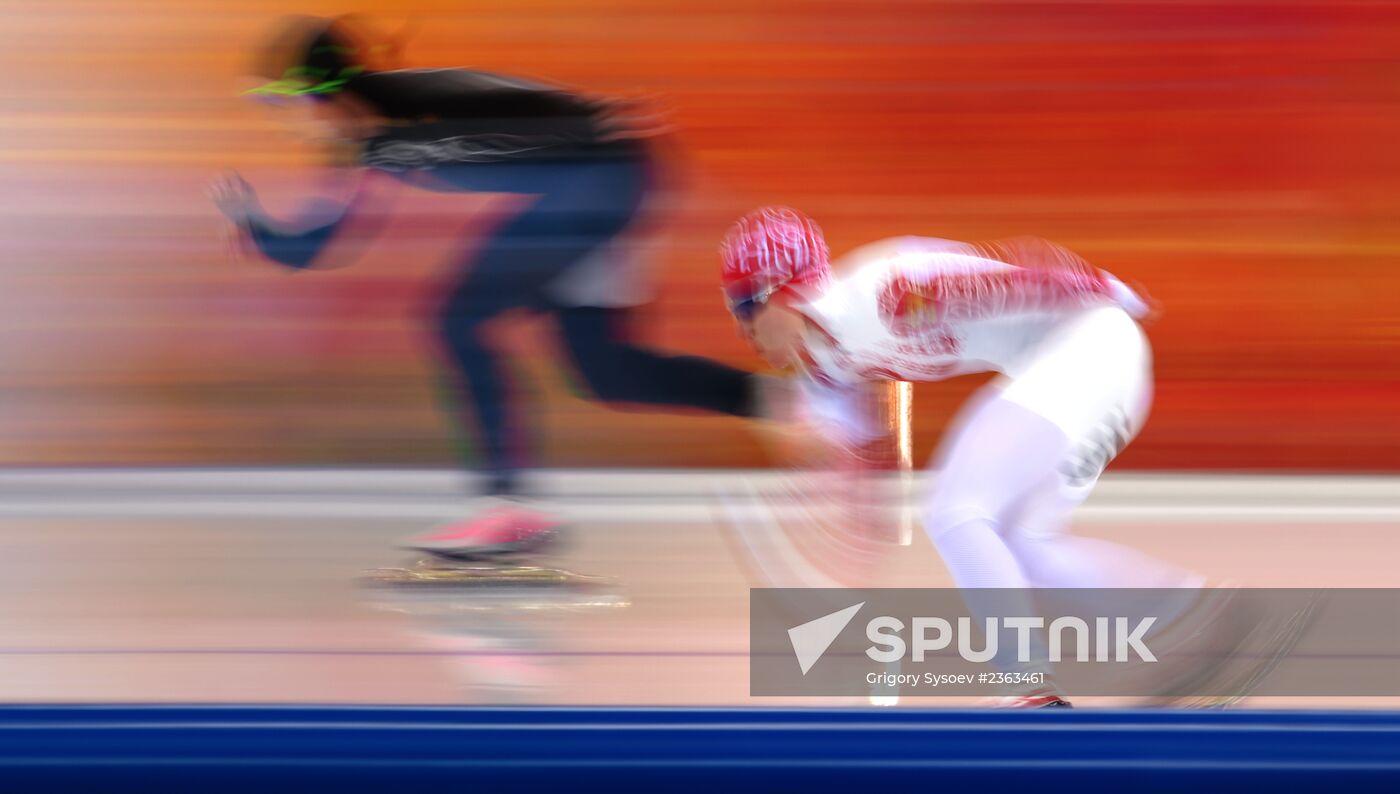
{"x": 581, "y": 206}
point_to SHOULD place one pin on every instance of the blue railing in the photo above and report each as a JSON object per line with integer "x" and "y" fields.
{"x": 247, "y": 748}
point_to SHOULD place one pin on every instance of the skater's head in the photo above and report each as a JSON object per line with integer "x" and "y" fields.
{"x": 310, "y": 66}
{"x": 770, "y": 256}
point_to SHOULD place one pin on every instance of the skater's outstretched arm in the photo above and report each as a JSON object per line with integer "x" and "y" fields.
{"x": 305, "y": 240}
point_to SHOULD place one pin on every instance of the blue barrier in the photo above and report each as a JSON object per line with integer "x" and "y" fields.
{"x": 342, "y": 749}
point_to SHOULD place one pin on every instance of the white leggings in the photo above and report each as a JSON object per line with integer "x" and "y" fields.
{"x": 1028, "y": 451}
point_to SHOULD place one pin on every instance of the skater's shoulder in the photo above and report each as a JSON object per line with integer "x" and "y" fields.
{"x": 457, "y": 80}
{"x": 879, "y": 250}
{"x": 909, "y": 256}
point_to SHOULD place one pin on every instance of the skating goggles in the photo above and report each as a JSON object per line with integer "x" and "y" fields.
{"x": 744, "y": 304}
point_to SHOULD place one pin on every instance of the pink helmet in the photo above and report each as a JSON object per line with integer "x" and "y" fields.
{"x": 768, "y": 250}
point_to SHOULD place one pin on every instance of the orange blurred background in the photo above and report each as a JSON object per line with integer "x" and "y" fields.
{"x": 1239, "y": 160}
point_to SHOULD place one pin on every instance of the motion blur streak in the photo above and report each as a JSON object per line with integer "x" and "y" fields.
{"x": 1236, "y": 159}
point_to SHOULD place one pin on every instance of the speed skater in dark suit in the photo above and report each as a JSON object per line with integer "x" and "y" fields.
{"x": 590, "y": 165}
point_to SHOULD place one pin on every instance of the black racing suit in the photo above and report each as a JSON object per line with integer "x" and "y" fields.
{"x": 455, "y": 130}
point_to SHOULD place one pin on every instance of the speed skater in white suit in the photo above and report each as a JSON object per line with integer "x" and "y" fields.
{"x": 1074, "y": 385}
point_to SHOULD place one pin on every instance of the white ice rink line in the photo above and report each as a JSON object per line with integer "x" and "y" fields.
{"x": 632, "y": 496}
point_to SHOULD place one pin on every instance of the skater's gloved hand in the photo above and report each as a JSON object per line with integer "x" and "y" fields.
{"x": 844, "y": 415}
{"x": 1126, "y": 297}
{"x": 236, "y": 199}
{"x": 782, "y": 405}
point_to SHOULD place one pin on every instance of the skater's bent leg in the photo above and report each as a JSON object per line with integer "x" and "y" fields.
{"x": 1085, "y": 571}
{"x": 989, "y": 466}
{"x": 992, "y": 462}
{"x": 1066, "y": 561}
{"x": 481, "y": 393}
{"x": 575, "y": 213}
{"x": 616, "y": 370}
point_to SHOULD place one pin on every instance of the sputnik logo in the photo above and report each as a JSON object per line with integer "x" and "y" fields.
{"x": 811, "y": 639}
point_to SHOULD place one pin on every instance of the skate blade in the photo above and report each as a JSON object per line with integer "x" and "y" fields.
{"x": 435, "y": 587}
{"x": 438, "y": 572}
{"x": 1277, "y": 641}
